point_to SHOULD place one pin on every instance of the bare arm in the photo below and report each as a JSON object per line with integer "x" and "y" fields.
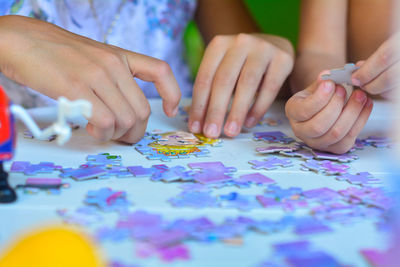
{"x": 322, "y": 40}
{"x": 223, "y": 17}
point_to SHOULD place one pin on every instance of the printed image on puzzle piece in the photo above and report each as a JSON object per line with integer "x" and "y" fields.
{"x": 107, "y": 200}
{"x": 273, "y": 137}
{"x": 173, "y": 145}
{"x": 31, "y": 169}
{"x": 103, "y": 159}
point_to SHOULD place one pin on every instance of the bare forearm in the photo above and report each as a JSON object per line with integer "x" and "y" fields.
{"x": 308, "y": 65}
{"x": 223, "y": 17}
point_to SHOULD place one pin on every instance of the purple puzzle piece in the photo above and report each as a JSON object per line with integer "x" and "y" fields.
{"x": 362, "y": 178}
{"x": 194, "y": 199}
{"x": 256, "y": 178}
{"x": 140, "y": 171}
{"x": 347, "y": 157}
{"x": 279, "y": 148}
{"x": 303, "y": 153}
{"x": 31, "y": 169}
{"x": 321, "y": 194}
{"x": 273, "y": 137}
{"x": 216, "y": 166}
{"x": 333, "y": 168}
{"x": 82, "y": 174}
{"x": 270, "y": 163}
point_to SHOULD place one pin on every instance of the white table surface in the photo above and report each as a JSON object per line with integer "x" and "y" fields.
{"x": 32, "y": 211}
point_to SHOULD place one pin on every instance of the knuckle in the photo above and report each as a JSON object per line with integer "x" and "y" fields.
{"x": 219, "y": 41}
{"x": 316, "y": 130}
{"x": 127, "y": 121}
{"x": 336, "y": 133}
{"x": 243, "y": 39}
{"x": 144, "y": 112}
{"x": 107, "y": 121}
{"x": 163, "y": 69}
{"x": 384, "y": 57}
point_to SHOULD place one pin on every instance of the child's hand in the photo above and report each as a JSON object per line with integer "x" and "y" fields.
{"x": 57, "y": 63}
{"x": 321, "y": 118}
{"x": 246, "y": 66}
{"x": 379, "y": 74}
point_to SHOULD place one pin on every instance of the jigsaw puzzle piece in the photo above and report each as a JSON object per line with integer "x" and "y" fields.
{"x": 342, "y": 75}
{"x": 82, "y": 174}
{"x": 270, "y": 163}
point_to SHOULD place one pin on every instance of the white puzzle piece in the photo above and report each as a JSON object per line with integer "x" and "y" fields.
{"x": 341, "y": 76}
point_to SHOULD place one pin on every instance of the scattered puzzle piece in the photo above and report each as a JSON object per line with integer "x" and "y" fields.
{"x": 31, "y": 169}
{"x": 270, "y": 163}
{"x": 362, "y": 178}
{"x": 82, "y": 174}
{"x": 107, "y": 200}
{"x": 273, "y": 137}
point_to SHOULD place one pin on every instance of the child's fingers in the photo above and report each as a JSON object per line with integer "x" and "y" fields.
{"x": 347, "y": 142}
{"x": 303, "y": 106}
{"x": 347, "y": 119}
{"x": 385, "y": 81}
{"x": 378, "y": 62}
{"x": 222, "y": 87}
{"x": 320, "y": 124}
{"x": 101, "y": 124}
{"x": 158, "y": 72}
{"x": 276, "y": 75}
{"x": 108, "y": 92}
{"x": 249, "y": 81}
{"x": 213, "y": 56}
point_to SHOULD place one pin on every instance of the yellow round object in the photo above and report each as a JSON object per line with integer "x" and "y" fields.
{"x": 52, "y": 247}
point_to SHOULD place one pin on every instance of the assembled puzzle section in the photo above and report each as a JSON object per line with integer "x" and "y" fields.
{"x": 174, "y": 145}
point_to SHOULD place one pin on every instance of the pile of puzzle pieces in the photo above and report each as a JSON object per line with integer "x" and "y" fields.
{"x": 322, "y": 208}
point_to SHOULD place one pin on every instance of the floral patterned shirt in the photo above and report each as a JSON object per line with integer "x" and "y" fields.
{"x": 150, "y": 27}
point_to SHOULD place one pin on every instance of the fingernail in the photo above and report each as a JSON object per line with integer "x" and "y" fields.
{"x": 175, "y": 111}
{"x": 341, "y": 92}
{"x": 195, "y": 128}
{"x": 250, "y": 122}
{"x": 356, "y": 82}
{"x": 361, "y": 96}
{"x": 232, "y": 127}
{"x": 328, "y": 87}
{"x": 211, "y": 130}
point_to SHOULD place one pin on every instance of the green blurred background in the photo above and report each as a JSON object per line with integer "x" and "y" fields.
{"x": 278, "y": 17}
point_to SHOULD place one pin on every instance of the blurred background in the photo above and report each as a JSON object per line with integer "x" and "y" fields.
{"x": 278, "y": 17}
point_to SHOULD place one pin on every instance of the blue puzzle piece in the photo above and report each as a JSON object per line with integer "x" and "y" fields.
{"x": 107, "y": 200}
{"x": 103, "y": 159}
